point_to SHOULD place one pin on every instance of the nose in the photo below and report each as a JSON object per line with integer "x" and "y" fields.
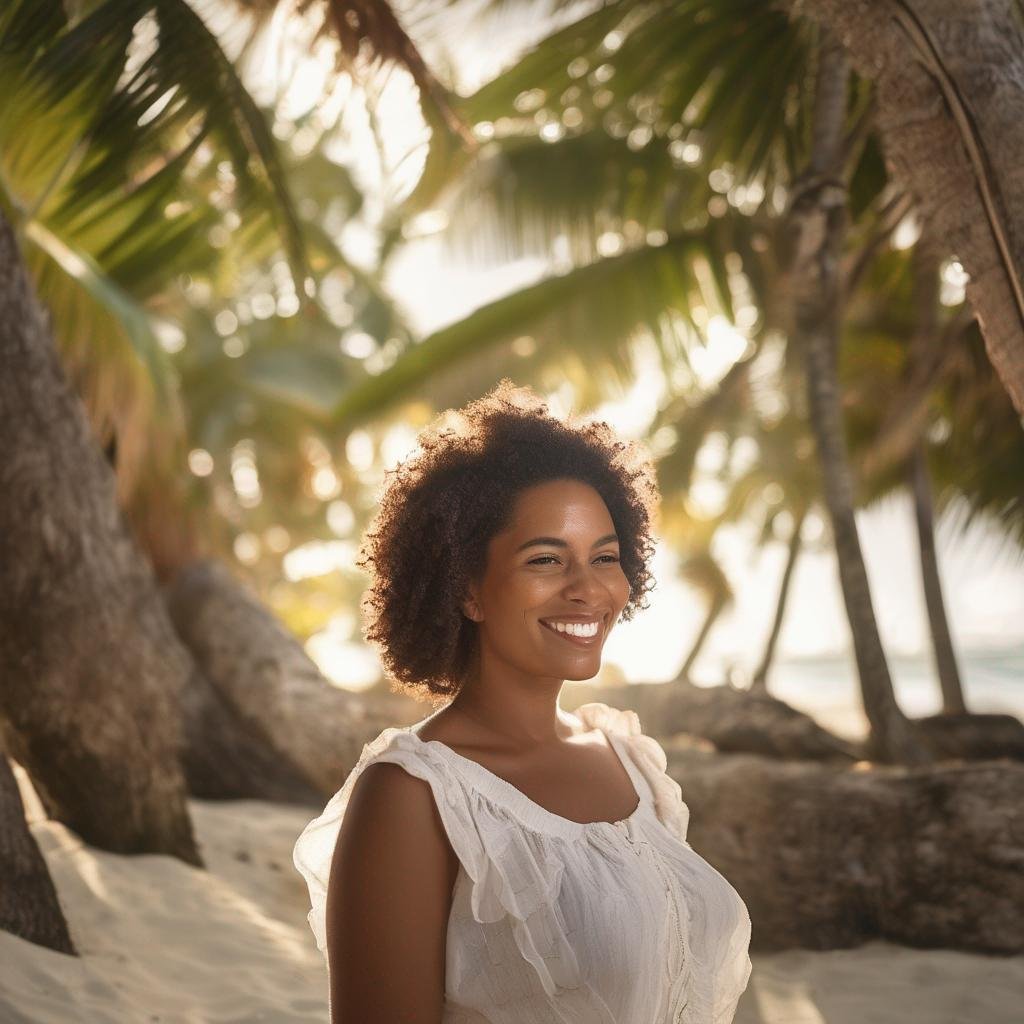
{"x": 584, "y": 584}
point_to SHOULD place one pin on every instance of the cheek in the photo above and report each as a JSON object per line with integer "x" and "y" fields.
{"x": 621, "y": 588}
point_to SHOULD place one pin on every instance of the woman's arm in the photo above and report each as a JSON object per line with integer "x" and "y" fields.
{"x": 388, "y": 900}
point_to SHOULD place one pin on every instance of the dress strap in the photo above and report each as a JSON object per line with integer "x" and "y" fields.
{"x": 649, "y": 757}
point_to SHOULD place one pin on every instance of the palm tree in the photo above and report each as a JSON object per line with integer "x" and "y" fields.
{"x": 951, "y": 70}
{"x": 942, "y": 642}
{"x": 94, "y": 670}
{"x": 816, "y": 224}
{"x": 125, "y": 135}
{"x": 642, "y": 121}
{"x": 702, "y": 572}
{"x": 759, "y": 681}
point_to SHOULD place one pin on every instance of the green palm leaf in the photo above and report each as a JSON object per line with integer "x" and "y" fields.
{"x": 587, "y": 317}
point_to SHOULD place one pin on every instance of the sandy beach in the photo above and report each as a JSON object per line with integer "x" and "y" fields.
{"x": 163, "y": 942}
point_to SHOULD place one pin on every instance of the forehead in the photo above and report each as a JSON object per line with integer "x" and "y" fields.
{"x": 559, "y": 506}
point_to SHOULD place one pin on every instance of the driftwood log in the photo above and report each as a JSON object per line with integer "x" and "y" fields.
{"x": 971, "y": 737}
{"x": 752, "y": 722}
{"x": 29, "y": 907}
{"x": 734, "y": 720}
{"x": 827, "y": 857}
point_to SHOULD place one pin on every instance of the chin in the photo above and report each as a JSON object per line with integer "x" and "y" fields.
{"x": 582, "y": 675}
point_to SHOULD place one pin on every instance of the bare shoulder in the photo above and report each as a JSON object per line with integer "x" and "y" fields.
{"x": 388, "y": 900}
{"x": 388, "y": 808}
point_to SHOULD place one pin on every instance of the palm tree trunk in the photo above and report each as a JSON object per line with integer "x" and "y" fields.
{"x": 29, "y": 907}
{"x": 950, "y": 114}
{"x": 926, "y": 352}
{"x": 816, "y": 223}
{"x": 760, "y": 681}
{"x": 942, "y": 641}
{"x": 91, "y": 668}
{"x": 714, "y": 610}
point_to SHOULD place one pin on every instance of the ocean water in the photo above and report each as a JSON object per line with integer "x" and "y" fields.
{"x": 827, "y": 688}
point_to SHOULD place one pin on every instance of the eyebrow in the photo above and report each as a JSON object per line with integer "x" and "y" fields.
{"x": 559, "y": 543}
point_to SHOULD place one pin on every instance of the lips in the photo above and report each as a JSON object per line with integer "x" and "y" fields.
{"x": 579, "y": 641}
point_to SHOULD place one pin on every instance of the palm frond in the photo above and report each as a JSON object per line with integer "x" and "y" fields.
{"x": 113, "y": 93}
{"x": 588, "y": 315}
{"x": 522, "y": 194}
{"x": 716, "y": 75}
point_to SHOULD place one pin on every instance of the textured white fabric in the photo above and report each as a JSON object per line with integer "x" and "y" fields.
{"x": 560, "y": 922}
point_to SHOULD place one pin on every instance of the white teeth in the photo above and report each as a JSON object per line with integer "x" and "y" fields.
{"x": 575, "y": 628}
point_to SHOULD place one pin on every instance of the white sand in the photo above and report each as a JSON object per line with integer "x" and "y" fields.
{"x": 164, "y": 942}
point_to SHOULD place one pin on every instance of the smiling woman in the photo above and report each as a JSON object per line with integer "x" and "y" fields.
{"x": 501, "y": 860}
{"x": 428, "y": 548}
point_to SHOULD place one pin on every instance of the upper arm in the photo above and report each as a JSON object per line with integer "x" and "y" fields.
{"x": 388, "y": 899}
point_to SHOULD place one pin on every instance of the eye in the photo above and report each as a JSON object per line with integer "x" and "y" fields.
{"x": 542, "y": 560}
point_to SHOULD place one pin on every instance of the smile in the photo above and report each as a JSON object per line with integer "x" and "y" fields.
{"x": 579, "y": 641}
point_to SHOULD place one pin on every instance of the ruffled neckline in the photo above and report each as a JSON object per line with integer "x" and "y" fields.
{"x": 617, "y": 726}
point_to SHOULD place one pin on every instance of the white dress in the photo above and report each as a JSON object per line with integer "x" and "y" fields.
{"x": 560, "y": 922}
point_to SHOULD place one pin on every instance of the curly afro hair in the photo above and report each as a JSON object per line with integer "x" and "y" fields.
{"x": 440, "y": 508}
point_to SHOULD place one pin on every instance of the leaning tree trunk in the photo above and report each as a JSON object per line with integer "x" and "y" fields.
{"x": 29, "y": 907}
{"x": 265, "y": 677}
{"x": 714, "y": 610}
{"x": 942, "y": 641}
{"x": 226, "y": 757}
{"x": 90, "y": 666}
{"x": 760, "y": 680}
{"x": 949, "y": 78}
{"x": 815, "y": 221}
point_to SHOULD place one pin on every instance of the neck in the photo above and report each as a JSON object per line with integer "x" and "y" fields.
{"x": 526, "y": 715}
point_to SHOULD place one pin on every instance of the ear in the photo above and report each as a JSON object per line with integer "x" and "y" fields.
{"x": 470, "y": 606}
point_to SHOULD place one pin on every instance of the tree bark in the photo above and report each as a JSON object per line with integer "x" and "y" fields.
{"x": 942, "y": 640}
{"x": 815, "y": 222}
{"x": 228, "y": 758}
{"x": 760, "y": 681}
{"x": 91, "y": 668}
{"x": 269, "y": 681}
{"x": 29, "y": 907}
{"x": 949, "y": 78}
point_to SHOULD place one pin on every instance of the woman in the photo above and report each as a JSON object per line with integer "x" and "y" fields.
{"x": 503, "y": 861}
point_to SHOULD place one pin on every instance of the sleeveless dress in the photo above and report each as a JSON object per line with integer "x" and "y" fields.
{"x": 554, "y": 921}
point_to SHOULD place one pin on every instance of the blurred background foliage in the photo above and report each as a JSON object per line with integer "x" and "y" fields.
{"x": 207, "y": 205}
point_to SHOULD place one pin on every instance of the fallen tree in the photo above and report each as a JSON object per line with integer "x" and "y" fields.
{"x": 733, "y": 719}
{"x": 752, "y": 722}
{"x": 827, "y": 857}
{"x": 267, "y": 680}
{"x": 226, "y": 758}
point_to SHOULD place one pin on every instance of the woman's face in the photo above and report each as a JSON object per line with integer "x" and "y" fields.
{"x": 558, "y": 562}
